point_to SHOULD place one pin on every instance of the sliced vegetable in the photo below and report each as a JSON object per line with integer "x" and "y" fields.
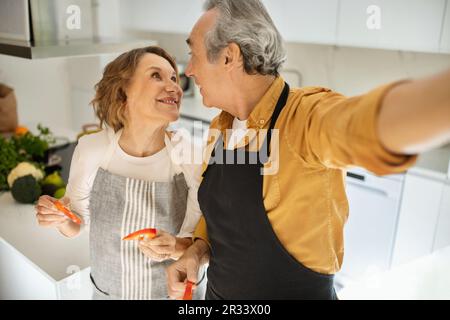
{"x": 188, "y": 291}
{"x": 67, "y": 212}
{"x": 141, "y": 234}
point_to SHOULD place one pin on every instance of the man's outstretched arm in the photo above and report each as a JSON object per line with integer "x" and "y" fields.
{"x": 415, "y": 116}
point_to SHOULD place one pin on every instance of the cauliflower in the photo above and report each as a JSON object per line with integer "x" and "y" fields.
{"x": 24, "y": 169}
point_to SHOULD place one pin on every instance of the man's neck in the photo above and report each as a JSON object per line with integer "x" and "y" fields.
{"x": 249, "y": 92}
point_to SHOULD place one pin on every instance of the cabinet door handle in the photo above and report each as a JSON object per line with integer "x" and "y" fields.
{"x": 356, "y": 176}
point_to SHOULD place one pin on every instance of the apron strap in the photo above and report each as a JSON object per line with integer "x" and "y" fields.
{"x": 174, "y": 166}
{"x": 114, "y": 141}
{"x": 278, "y": 108}
{"x": 280, "y": 105}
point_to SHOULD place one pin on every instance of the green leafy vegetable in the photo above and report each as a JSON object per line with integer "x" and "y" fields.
{"x": 20, "y": 148}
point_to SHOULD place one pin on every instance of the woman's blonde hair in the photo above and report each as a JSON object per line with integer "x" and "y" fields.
{"x": 110, "y": 92}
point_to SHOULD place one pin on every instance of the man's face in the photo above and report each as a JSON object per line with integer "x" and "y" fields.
{"x": 210, "y": 77}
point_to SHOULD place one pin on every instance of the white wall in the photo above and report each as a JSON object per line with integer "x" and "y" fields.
{"x": 174, "y": 16}
{"x": 41, "y": 88}
{"x": 54, "y": 92}
{"x": 354, "y": 71}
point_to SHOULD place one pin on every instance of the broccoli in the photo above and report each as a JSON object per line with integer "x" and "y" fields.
{"x": 26, "y": 189}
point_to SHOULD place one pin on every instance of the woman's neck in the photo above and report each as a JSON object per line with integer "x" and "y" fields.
{"x": 142, "y": 140}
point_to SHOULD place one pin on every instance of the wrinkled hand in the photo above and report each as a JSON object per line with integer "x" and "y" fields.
{"x": 160, "y": 248}
{"x": 184, "y": 269}
{"x": 48, "y": 215}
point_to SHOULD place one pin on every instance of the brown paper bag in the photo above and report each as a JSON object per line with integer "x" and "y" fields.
{"x": 8, "y": 109}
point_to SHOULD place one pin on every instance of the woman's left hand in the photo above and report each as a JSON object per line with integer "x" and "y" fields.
{"x": 160, "y": 248}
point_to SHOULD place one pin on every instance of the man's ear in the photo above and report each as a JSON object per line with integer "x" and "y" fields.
{"x": 233, "y": 56}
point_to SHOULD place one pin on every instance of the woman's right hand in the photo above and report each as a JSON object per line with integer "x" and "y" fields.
{"x": 48, "y": 215}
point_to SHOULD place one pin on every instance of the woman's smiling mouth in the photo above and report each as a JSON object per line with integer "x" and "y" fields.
{"x": 169, "y": 101}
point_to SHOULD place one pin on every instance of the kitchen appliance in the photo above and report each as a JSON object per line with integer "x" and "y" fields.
{"x": 370, "y": 232}
{"x": 36, "y": 29}
{"x": 186, "y": 83}
{"x": 59, "y": 156}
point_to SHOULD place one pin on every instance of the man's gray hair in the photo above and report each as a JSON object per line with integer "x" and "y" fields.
{"x": 248, "y": 24}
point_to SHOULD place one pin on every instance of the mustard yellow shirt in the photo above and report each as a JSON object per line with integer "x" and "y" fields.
{"x": 321, "y": 134}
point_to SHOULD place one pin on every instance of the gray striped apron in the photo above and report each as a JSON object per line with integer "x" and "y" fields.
{"x": 121, "y": 205}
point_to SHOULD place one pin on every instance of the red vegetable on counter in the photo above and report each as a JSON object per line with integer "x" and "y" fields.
{"x": 141, "y": 234}
{"x": 67, "y": 212}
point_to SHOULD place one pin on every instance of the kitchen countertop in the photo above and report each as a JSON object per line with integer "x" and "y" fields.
{"x": 424, "y": 278}
{"x": 434, "y": 163}
{"x": 46, "y": 248}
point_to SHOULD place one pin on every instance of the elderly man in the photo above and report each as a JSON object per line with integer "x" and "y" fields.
{"x": 280, "y": 235}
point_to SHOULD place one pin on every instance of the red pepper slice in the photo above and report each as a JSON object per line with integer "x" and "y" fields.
{"x": 141, "y": 234}
{"x": 188, "y": 291}
{"x": 67, "y": 212}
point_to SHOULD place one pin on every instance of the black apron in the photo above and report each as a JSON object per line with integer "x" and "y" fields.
{"x": 247, "y": 259}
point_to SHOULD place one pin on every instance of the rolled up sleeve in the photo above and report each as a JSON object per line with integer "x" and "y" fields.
{"x": 201, "y": 231}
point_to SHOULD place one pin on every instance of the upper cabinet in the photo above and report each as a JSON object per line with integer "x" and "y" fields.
{"x": 400, "y": 25}
{"x": 174, "y": 16}
{"x": 407, "y": 25}
{"x": 445, "y": 38}
{"x": 305, "y": 20}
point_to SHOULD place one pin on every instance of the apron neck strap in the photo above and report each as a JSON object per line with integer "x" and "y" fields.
{"x": 279, "y": 106}
{"x": 114, "y": 141}
{"x": 175, "y": 167}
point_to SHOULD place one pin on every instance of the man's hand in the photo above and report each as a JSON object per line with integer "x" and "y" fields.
{"x": 186, "y": 268}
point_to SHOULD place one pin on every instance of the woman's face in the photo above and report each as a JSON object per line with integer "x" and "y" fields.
{"x": 153, "y": 93}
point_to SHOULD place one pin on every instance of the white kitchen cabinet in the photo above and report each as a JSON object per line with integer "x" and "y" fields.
{"x": 445, "y": 38}
{"x": 305, "y": 20}
{"x": 371, "y": 227}
{"x": 39, "y": 263}
{"x": 442, "y": 236}
{"x": 409, "y": 25}
{"x": 21, "y": 279}
{"x": 419, "y": 214}
{"x": 425, "y": 278}
{"x": 174, "y": 16}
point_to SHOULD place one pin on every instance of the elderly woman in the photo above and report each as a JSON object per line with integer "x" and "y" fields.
{"x": 123, "y": 179}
